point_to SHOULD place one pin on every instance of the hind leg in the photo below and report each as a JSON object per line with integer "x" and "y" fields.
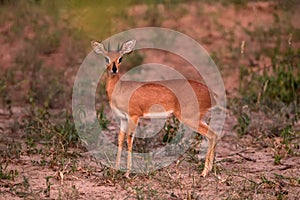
{"x": 212, "y": 137}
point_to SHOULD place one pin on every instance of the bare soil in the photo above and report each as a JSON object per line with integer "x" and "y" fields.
{"x": 243, "y": 169}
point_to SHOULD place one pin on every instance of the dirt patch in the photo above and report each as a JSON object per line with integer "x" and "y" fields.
{"x": 230, "y": 34}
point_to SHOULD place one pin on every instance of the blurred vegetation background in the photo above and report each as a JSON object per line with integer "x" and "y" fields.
{"x": 256, "y": 45}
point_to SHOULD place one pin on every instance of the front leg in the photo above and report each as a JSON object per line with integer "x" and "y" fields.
{"x": 121, "y": 138}
{"x": 130, "y": 135}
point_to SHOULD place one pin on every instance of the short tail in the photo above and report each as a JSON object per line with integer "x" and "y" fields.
{"x": 213, "y": 97}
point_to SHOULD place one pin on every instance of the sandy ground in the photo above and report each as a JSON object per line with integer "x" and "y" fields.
{"x": 243, "y": 169}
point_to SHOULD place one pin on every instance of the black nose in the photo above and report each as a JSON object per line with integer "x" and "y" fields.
{"x": 114, "y": 68}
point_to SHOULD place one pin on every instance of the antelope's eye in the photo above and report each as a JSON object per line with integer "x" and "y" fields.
{"x": 120, "y": 60}
{"x": 107, "y": 60}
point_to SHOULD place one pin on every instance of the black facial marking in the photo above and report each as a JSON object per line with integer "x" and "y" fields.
{"x": 107, "y": 60}
{"x": 114, "y": 68}
{"x": 120, "y": 60}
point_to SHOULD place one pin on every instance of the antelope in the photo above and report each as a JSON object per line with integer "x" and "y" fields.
{"x": 131, "y": 100}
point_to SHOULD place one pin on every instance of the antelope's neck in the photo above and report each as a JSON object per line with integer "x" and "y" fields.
{"x": 111, "y": 82}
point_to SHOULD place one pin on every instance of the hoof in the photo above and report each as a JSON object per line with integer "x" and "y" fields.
{"x": 127, "y": 175}
{"x": 204, "y": 173}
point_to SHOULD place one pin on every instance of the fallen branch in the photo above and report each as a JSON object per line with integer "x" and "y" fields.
{"x": 246, "y": 158}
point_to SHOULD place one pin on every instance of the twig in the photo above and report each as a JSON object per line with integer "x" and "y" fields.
{"x": 246, "y": 158}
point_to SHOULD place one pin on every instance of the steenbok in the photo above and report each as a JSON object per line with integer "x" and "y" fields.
{"x": 131, "y": 100}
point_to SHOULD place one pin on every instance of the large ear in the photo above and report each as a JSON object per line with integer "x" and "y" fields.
{"x": 127, "y": 47}
{"x": 98, "y": 47}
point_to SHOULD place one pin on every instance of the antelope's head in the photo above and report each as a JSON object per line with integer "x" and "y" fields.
{"x": 113, "y": 59}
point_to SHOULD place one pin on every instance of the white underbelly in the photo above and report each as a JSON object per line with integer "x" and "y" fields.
{"x": 120, "y": 114}
{"x": 158, "y": 114}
